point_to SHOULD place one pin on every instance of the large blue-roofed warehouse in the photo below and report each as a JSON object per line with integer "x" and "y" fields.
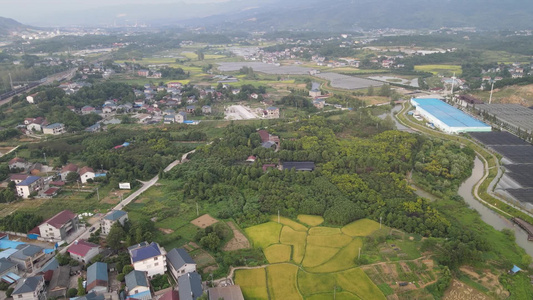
{"x": 446, "y": 117}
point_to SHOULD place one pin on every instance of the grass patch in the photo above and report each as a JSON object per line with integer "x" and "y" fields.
{"x": 317, "y": 255}
{"x": 329, "y": 296}
{"x": 295, "y": 238}
{"x": 363, "y": 227}
{"x": 253, "y": 283}
{"x": 357, "y": 282}
{"x": 264, "y": 235}
{"x": 282, "y": 282}
{"x": 288, "y": 222}
{"x": 385, "y": 289}
{"x": 311, "y": 220}
{"x": 327, "y": 231}
{"x": 343, "y": 260}
{"x": 278, "y": 253}
{"x": 332, "y": 241}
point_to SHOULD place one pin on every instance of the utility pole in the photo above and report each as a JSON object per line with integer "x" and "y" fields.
{"x": 278, "y": 216}
{"x": 98, "y": 194}
{"x": 380, "y": 222}
{"x": 10, "y": 80}
{"x": 44, "y": 154}
{"x": 491, "y": 89}
{"x": 197, "y": 211}
{"x": 334, "y": 292}
{"x": 359, "y": 257}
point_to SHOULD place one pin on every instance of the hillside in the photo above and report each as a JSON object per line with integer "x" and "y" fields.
{"x": 8, "y": 25}
{"x": 354, "y": 14}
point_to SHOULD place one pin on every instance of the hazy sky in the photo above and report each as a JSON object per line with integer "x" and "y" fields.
{"x": 28, "y": 11}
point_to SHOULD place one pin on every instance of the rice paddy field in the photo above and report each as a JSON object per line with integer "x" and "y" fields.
{"x": 447, "y": 70}
{"x": 308, "y": 261}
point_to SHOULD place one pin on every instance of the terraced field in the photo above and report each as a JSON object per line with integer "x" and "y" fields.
{"x": 308, "y": 261}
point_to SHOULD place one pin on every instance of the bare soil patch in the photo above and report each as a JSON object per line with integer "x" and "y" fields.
{"x": 488, "y": 280}
{"x": 204, "y": 221}
{"x": 165, "y": 230}
{"x": 239, "y": 240}
{"x": 114, "y": 197}
{"x": 461, "y": 291}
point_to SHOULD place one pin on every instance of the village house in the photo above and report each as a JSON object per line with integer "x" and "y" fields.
{"x": 26, "y": 256}
{"x": 149, "y": 258}
{"x": 171, "y": 295}
{"x": 97, "y": 278}
{"x": 231, "y": 292}
{"x": 181, "y": 117}
{"x": 59, "y": 226}
{"x": 268, "y": 140}
{"x": 29, "y": 185}
{"x": 111, "y": 218}
{"x": 206, "y": 109}
{"x": 190, "y": 286}
{"x": 319, "y": 103}
{"x": 59, "y": 283}
{"x": 30, "y": 288}
{"x": 87, "y": 110}
{"x": 190, "y": 109}
{"x": 18, "y": 163}
{"x": 86, "y": 173}
{"x": 55, "y": 129}
{"x": 67, "y": 169}
{"x": 83, "y": 251}
{"x": 18, "y": 178}
{"x": 169, "y": 119}
{"x": 272, "y": 112}
{"x": 8, "y": 268}
{"x": 35, "y": 124}
{"x": 180, "y": 263}
{"x": 137, "y": 285}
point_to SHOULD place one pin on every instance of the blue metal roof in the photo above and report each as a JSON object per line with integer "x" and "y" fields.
{"x": 115, "y": 215}
{"x": 515, "y": 269}
{"x": 144, "y": 252}
{"x": 97, "y": 271}
{"x": 135, "y": 278}
{"x": 446, "y": 113}
{"x": 29, "y": 180}
{"x": 179, "y": 257}
{"x": 55, "y": 125}
{"x": 190, "y": 286}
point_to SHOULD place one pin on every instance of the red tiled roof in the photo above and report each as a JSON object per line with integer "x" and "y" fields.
{"x": 85, "y": 170}
{"x": 170, "y": 295}
{"x": 51, "y": 191}
{"x": 16, "y": 159}
{"x": 18, "y": 177}
{"x": 69, "y": 168}
{"x": 57, "y": 183}
{"x": 61, "y": 218}
{"x": 81, "y": 248}
{"x": 264, "y": 135}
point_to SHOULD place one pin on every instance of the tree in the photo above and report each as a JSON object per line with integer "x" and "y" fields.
{"x": 385, "y": 90}
{"x": 72, "y": 292}
{"x": 9, "y": 292}
{"x": 370, "y": 91}
{"x": 115, "y": 236}
{"x": 81, "y": 289}
{"x": 211, "y": 241}
{"x": 72, "y": 177}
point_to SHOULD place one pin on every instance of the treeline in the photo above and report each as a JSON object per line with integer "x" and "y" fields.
{"x": 174, "y": 73}
{"x": 20, "y": 222}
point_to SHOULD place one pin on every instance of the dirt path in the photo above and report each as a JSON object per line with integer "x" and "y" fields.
{"x": 239, "y": 240}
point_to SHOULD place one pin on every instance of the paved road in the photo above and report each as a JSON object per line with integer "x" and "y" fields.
{"x": 86, "y": 233}
{"x": 9, "y": 151}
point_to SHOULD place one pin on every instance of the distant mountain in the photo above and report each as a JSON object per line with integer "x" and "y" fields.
{"x": 8, "y": 25}
{"x": 341, "y": 15}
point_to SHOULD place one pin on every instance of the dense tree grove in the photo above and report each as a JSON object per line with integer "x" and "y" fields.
{"x": 20, "y": 222}
{"x": 356, "y": 177}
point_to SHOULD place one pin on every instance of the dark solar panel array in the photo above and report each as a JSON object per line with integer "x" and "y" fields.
{"x": 517, "y": 154}
{"x": 522, "y": 195}
{"x": 523, "y": 174}
{"x": 498, "y": 138}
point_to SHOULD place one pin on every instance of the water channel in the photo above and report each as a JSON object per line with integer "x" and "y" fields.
{"x": 488, "y": 215}
{"x": 465, "y": 190}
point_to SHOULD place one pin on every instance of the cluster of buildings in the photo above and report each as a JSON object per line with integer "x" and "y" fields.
{"x": 41, "y": 125}
{"x": 30, "y": 182}
{"x": 36, "y": 274}
{"x": 514, "y": 70}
